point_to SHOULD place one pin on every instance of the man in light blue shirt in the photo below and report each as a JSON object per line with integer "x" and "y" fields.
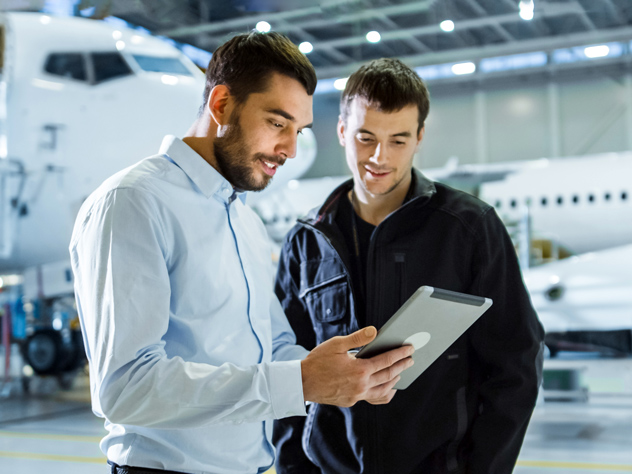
{"x": 190, "y": 354}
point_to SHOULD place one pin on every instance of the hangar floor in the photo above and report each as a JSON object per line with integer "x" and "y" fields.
{"x": 55, "y": 431}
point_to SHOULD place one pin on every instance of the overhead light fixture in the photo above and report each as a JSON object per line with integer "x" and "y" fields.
{"x": 120, "y": 45}
{"x": 341, "y": 83}
{"x": 447, "y": 25}
{"x": 45, "y": 20}
{"x": 527, "y": 8}
{"x": 463, "y": 68}
{"x": 117, "y": 35}
{"x": 305, "y": 47}
{"x": 373, "y": 37}
{"x": 598, "y": 51}
{"x": 137, "y": 39}
{"x": 263, "y": 27}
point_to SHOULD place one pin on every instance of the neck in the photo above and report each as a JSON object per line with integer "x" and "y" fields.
{"x": 199, "y": 138}
{"x": 374, "y": 208}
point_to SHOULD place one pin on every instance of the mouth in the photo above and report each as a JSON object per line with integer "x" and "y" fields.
{"x": 375, "y": 173}
{"x": 269, "y": 167}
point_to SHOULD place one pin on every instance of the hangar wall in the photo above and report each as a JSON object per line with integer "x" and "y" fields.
{"x": 518, "y": 118}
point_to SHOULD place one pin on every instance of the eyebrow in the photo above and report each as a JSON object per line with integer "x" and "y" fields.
{"x": 400, "y": 134}
{"x": 285, "y": 115}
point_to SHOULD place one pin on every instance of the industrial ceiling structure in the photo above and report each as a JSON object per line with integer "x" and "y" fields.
{"x": 421, "y": 32}
{"x": 408, "y": 29}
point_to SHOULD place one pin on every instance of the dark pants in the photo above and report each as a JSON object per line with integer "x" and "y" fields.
{"x": 116, "y": 469}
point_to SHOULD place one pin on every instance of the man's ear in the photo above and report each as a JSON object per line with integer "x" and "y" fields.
{"x": 341, "y": 131}
{"x": 219, "y": 104}
{"x": 420, "y": 136}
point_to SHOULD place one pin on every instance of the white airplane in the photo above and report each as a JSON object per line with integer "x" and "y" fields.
{"x": 79, "y": 100}
{"x": 580, "y": 203}
{"x": 585, "y": 302}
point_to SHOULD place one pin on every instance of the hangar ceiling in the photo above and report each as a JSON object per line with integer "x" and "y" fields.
{"x": 409, "y": 29}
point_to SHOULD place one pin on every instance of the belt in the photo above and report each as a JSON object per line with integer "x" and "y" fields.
{"x": 116, "y": 469}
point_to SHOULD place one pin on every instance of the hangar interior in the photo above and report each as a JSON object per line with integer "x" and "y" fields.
{"x": 531, "y": 109}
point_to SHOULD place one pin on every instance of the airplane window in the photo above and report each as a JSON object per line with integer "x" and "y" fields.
{"x": 575, "y": 199}
{"x": 560, "y": 200}
{"x": 513, "y": 203}
{"x": 544, "y": 201}
{"x": 498, "y": 204}
{"x": 69, "y": 65}
{"x": 108, "y": 66}
{"x": 624, "y": 196}
{"x": 607, "y": 196}
{"x": 165, "y": 65}
{"x": 591, "y": 198}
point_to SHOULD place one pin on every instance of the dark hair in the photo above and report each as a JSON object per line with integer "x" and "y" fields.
{"x": 244, "y": 64}
{"x": 389, "y": 85}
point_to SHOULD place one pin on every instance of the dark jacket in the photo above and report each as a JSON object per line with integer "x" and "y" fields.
{"x": 468, "y": 412}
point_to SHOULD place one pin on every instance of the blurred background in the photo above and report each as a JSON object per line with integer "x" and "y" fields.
{"x": 531, "y": 110}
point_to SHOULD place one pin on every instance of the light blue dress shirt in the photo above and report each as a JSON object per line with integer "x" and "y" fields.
{"x": 190, "y": 353}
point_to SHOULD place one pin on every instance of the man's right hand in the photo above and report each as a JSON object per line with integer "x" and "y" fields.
{"x": 332, "y": 376}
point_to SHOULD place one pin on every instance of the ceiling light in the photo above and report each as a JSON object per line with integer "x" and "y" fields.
{"x": 45, "y": 20}
{"x": 117, "y": 35}
{"x": 373, "y": 37}
{"x": 447, "y": 25}
{"x": 463, "y": 68}
{"x": 120, "y": 45}
{"x": 341, "y": 83}
{"x": 526, "y": 9}
{"x": 305, "y": 47}
{"x": 263, "y": 27}
{"x": 596, "y": 51}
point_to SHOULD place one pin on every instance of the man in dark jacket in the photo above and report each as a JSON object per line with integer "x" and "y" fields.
{"x": 357, "y": 259}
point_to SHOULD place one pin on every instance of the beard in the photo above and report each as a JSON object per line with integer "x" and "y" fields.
{"x": 236, "y": 162}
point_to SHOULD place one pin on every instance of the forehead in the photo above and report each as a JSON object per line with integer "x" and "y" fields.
{"x": 365, "y": 115}
{"x": 283, "y": 93}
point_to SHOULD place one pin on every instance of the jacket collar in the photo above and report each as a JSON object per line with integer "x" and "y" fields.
{"x": 420, "y": 192}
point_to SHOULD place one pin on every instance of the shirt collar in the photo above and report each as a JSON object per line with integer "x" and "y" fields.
{"x": 207, "y": 179}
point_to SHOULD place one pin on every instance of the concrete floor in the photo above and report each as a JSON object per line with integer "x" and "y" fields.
{"x": 54, "y": 431}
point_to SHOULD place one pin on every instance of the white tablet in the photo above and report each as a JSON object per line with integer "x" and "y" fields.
{"x": 431, "y": 320}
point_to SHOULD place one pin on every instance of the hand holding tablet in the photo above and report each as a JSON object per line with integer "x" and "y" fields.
{"x": 431, "y": 320}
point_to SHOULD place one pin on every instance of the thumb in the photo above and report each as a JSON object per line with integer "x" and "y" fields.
{"x": 358, "y": 339}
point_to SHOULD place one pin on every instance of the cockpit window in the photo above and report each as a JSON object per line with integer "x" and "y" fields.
{"x": 162, "y": 64}
{"x": 69, "y": 65}
{"x": 108, "y": 66}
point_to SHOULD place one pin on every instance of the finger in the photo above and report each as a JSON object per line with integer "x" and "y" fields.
{"x": 383, "y": 391}
{"x": 357, "y": 339}
{"x": 391, "y": 357}
{"x": 389, "y": 373}
{"x": 383, "y": 400}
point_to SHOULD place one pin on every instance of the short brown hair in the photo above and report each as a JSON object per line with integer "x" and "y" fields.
{"x": 245, "y": 62}
{"x": 389, "y": 85}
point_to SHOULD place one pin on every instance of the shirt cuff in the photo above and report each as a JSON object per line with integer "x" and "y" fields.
{"x": 286, "y": 389}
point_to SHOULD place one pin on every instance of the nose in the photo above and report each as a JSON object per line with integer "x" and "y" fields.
{"x": 287, "y": 145}
{"x": 379, "y": 153}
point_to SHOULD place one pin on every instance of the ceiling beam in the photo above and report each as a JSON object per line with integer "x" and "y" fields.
{"x": 327, "y": 18}
{"x": 547, "y": 10}
{"x": 474, "y": 54}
